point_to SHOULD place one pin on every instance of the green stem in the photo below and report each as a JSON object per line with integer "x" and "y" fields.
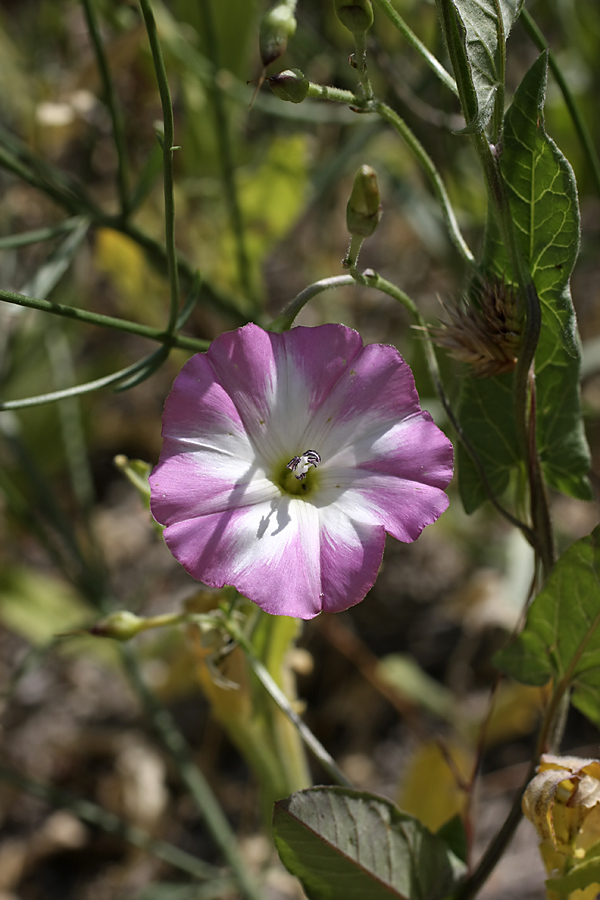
{"x": 168, "y": 146}
{"x": 580, "y": 126}
{"x": 92, "y": 318}
{"x": 336, "y": 95}
{"x": 360, "y": 59}
{"x": 351, "y": 259}
{"x": 434, "y": 64}
{"x": 392, "y": 117}
{"x": 314, "y": 745}
{"x": 389, "y": 115}
{"x": 285, "y": 319}
{"x": 471, "y": 886}
{"x": 498, "y": 116}
{"x": 100, "y": 818}
{"x": 61, "y": 193}
{"x": 495, "y": 850}
{"x": 226, "y": 151}
{"x": 14, "y": 241}
{"x": 158, "y": 256}
{"x": 193, "y": 778}
{"x": 148, "y": 362}
{"x": 113, "y": 105}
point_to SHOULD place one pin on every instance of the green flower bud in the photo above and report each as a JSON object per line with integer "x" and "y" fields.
{"x": 121, "y": 626}
{"x": 289, "y": 85}
{"x": 363, "y": 211}
{"x": 355, "y": 15}
{"x": 276, "y": 28}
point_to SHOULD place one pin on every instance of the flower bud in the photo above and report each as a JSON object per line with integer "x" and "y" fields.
{"x": 289, "y": 85}
{"x": 363, "y": 211}
{"x": 276, "y": 28}
{"x": 355, "y": 15}
{"x": 121, "y": 626}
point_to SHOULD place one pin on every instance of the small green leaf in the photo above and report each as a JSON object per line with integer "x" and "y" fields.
{"x": 543, "y": 201}
{"x": 349, "y": 845}
{"x": 561, "y": 638}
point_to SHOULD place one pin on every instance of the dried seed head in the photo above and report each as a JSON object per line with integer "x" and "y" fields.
{"x": 486, "y": 336}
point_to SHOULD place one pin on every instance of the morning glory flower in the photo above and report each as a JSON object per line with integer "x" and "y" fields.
{"x": 287, "y": 457}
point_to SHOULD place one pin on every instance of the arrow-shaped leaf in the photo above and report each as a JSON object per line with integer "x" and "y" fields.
{"x": 543, "y": 202}
{"x": 349, "y": 845}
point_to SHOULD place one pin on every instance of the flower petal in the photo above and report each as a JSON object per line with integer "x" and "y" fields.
{"x": 278, "y": 381}
{"x": 376, "y": 391}
{"x": 269, "y": 552}
{"x": 189, "y": 484}
{"x": 238, "y": 413}
{"x": 351, "y": 554}
{"x": 396, "y": 478}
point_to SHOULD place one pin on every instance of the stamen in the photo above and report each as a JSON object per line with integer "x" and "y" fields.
{"x": 300, "y": 465}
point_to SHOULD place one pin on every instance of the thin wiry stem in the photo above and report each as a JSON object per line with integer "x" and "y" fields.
{"x": 92, "y": 318}
{"x": 168, "y": 146}
{"x": 38, "y": 235}
{"x": 433, "y": 63}
{"x": 285, "y": 319}
{"x": 314, "y": 745}
{"x": 435, "y": 179}
{"x": 193, "y": 778}
{"x": 113, "y": 105}
{"x": 137, "y": 368}
{"x": 226, "y": 151}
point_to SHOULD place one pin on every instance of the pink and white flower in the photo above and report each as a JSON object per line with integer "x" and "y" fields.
{"x": 287, "y": 457}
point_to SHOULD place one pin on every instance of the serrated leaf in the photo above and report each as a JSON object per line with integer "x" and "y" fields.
{"x": 561, "y": 638}
{"x": 543, "y": 201}
{"x": 350, "y": 845}
{"x": 482, "y": 30}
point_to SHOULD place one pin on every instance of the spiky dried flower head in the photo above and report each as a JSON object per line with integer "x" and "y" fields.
{"x": 485, "y": 332}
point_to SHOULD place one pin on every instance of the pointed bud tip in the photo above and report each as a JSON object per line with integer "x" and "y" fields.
{"x": 363, "y": 211}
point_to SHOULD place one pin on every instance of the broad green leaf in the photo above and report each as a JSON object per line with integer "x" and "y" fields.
{"x": 349, "y": 845}
{"x": 485, "y": 23}
{"x": 561, "y": 638}
{"x": 543, "y": 200}
{"x": 486, "y": 415}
